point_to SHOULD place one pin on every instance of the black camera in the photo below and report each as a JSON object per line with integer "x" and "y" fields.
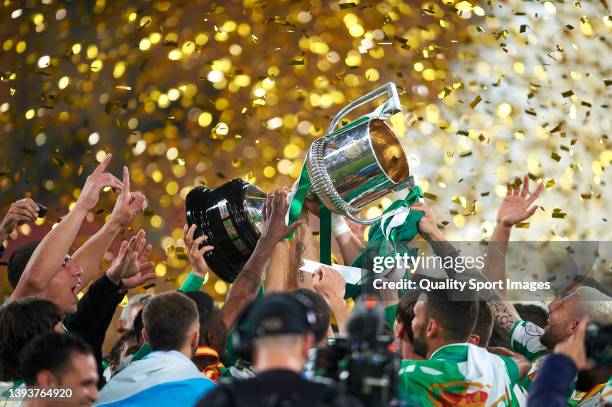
{"x": 360, "y": 363}
{"x": 42, "y": 210}
{"x": 598, "y": 343}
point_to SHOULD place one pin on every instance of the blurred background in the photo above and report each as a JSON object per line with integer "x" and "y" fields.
{"x": 199, "y": 92}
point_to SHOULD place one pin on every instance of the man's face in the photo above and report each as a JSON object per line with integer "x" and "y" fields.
{"x": 128, "y": 324}
{"x": 563, "y": 312}
{"x": 82, "y": 378}
{"x": 419, "y": 327}
{"x": 63, "y": 287}
{"x": 216, "y": 333}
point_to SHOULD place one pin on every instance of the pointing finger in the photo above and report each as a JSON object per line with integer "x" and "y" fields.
{"x": 102, "y": 166}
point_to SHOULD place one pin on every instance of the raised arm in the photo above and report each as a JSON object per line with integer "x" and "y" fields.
{"x": 199, "y": 268}
{"x": 249, "y": 280}
{"x": 505, "y": 317}
{"x": 516, "y": 207}
{"x": 428, "y": 229}
{"x": 350, "y": 245}
{"x": 330, "y": 284}
{"x": 90, "y": 254}
{"x": 49, "y": 256}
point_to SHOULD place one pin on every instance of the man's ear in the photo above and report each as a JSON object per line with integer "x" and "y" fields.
{"x": 209, "y": 337}
{"x": 145, "y": 335}
{"x": 433, "y": 329}
{"x": 309, "y": 342}
{"x": 474, "y": 339}
{"x": 195, "y": 337}
{"x": 45, "y": 378}
{"x": 400, "y": 331}
{"x": 572, "y": 327}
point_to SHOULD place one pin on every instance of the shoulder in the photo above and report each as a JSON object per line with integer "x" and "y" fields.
{"x": 220, "y": 396}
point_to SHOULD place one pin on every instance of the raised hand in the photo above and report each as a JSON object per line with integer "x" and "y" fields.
{"x": 274, "y": 228}
{"x": 428, "y": 227}
{"x": 95, "y": 183}
{"x": 128, "y": 203}
{"x": 21, "y": 211}
{"x": 517, "y": 204}
{"x": 573, "y": 347}
{"x": 329, "y": 283}
{"x": 131, "y": 267}
{"x": 196, "y": 254}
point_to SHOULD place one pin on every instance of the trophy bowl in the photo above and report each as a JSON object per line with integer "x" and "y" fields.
{"x": 361, "y": 162}
{"x": 230, "y": 216}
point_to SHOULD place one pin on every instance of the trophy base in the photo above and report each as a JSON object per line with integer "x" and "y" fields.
{"x": 229, "y": 216}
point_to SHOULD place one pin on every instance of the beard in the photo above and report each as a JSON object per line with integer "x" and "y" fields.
{"x": 418, "y": 345}
{"x": 550, "y": 338}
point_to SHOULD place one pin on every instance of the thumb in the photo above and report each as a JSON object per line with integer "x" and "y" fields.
{"x": 143, "y": 278}
{"x": 126, "y": 181}
{"x": 122, "y": 251}
{"x": 293, "y": 226}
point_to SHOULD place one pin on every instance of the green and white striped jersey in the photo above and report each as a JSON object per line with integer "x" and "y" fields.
{"x": 525, "y": 339}
{"x": 459, "y": 374}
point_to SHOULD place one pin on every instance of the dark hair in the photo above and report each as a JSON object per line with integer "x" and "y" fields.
{"x": 20, "y": 321}
{"x": 137, "y": 326}
{"x": 167, "y": 318}
{"x": 484, "y": 323}
{"x": 321, "y": 311}
{"x": 532, "y": 313}
{"x": 405, "y": 311}
{"x": 115, "y": 354}
{"x": 18, "y": 262}
{"x": 205, "y": 305}
{"x": 456, "y": 316}
{"x": 50, "y": 351}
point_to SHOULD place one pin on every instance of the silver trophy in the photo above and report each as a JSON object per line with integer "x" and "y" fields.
{"x": 351, "y": 168}
{"x": 361, "y": 162}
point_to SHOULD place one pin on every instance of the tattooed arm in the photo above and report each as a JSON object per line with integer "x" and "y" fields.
{"x": 504, "y": 312}
{"x": 248, "y": 282}
{"x": 429, "y": 230}
{"x": 505, "y": 316}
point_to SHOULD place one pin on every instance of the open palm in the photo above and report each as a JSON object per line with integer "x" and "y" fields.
{"x": 518, "y": 203}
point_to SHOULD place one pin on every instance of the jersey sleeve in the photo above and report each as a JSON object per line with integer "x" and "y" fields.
{"x": 525, "y": 339}
{"x": 192, "y": 283}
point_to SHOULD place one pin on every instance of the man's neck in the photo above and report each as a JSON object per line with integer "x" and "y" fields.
{"x": 435, "y": 346}
{"x": 279, "y": 361}
{"x": 187, "y": 350}
{"x": 407, "y": 351}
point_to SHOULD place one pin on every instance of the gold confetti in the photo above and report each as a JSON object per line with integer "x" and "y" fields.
{"x": 475, "y": 101}
{"x": 430, "y": 196}
{"x": 184, "y": 94}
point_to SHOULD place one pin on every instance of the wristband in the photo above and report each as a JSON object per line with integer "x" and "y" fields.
{"x": 339, "y": 225}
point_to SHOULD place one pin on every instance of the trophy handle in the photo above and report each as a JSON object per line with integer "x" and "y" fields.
{"x": 387, "y": 109}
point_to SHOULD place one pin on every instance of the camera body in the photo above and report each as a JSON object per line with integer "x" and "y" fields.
{"x": 360, "y": 363}
{"x": 598, "y": 343}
